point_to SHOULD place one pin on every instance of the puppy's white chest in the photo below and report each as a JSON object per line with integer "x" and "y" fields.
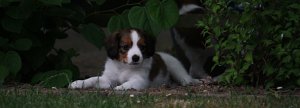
{"x": 127, "y": 74}
{"x": 124, "y": 76}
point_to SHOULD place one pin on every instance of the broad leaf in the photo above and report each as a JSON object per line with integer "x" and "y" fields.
{"x": 118, "y": 22}
{"x": 298, "y": 82}
{"x": 23, "y": 11}
{"x": 12, "y": 25}
{"x": 22, "y": 44}
{"x": 249, "y": 57}
{"x": 66, "y": 1}
{"x": 4, "y": 3}
{"x": 99, "y": 2}
{"x": 59, "y": 78}
{"x": 53, "y": 2}
{"x": 3, "y": 73}
{"x": 12, "y": 61}
{"x": 93, "y": 34}
{"x": 139, "y": 18}
{"x": 3, "y": 41}
{"x": 164, "y": 12}
{"x": 72, "y": 14}
{"x": 62, "y": 60}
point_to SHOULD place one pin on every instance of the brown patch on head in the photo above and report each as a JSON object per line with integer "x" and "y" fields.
{"x": 118, "y": 44}
{"x": 157, "y": 65}
{"x": 142, "y": 44}
{"x": 146, "y": 43}
{"x": 125, "y": 44}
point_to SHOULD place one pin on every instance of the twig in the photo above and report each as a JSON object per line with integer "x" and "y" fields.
{"x": 116, "y": 8}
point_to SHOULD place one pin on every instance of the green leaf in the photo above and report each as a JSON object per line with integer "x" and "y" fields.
{"x": 216, "y": 8}
{"x": 118, "y": 22}
{"x": 3, "y": 73}
{"x": 70, "y": 14}
{"x": 93, "y": 34}
{"x": 12, "y": 25}
{"x": 245, "y": 67}
{"x": 294, "y": 6}
{"x": 164, "y": 12}
{"x": 4, "y": 3}
{"x": 23, "y": 11}
{"x": 287, "y": 59}
{"x": 217, "y": 31}
{"x": 269, "y": 84}
{"x": 3, "y": 41}
{"x": 249, "y": 57}
{"x": 59, "y": 78}
{"x": 229, "y": 75}
{"x": 139, "y": 18}
{"x": 22, "y": 44}
{"x": 201, "y": 24}
{"x": 66, "y": 1}
{"x": 216, "y": 59}
{"x": 13, "y": 62}
{"x": 245, "y": 18}
{"x": 269, "y": 70}
{"x": 298, "y": 82}
{"x": 62, "y": 60}
{"x": 99, "y": 2}
{"x": 2, "y": 55}
{"x": 52, "y": 2}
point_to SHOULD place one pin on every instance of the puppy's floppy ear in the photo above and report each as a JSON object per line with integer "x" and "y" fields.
{"x": 112, "y": 45}
{"x": 150, "y": 45}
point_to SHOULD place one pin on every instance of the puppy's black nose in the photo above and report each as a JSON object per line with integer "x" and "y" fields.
{"x": 135, "y": 58}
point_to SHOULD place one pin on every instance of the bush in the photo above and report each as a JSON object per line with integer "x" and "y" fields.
{"x": 29, "y": 29}
{"x": 257, "y": 40}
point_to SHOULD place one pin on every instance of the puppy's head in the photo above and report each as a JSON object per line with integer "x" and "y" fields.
{"x": 130, "y": 46}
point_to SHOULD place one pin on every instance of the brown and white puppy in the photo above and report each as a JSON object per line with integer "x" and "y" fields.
{"x": 133, "y": 64}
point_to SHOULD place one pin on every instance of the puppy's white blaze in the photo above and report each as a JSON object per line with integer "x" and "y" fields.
{"x": 187, "y": 8}
{"x": 135, "y": 37}
{"x": 134, "y": 50}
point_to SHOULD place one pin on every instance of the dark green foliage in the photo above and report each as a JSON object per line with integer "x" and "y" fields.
{"x": 118, "y": 22}
{"x": 28, "y": 32}
{"x": 29, "y": 29}
{"x": 259, "y": 45}
{"x": 153, "y": 17}
{"x": 56, "y": 78}
{"x": 92, "y": 34}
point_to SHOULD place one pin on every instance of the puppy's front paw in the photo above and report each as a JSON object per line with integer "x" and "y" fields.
{"x": 190, "y": 81}
{"x": 76, "y": 84}
{"x": 120, "y": 88}
{"x": 195, "y": 81}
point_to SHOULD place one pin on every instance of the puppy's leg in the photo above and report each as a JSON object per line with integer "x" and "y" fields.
{"x": 134, "y": 83}
{"x": 93, "y": 82}
{"x": 177, "y": 70}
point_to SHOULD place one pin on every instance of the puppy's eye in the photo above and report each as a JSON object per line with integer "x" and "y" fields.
{"x": 125, "y": 47}
{"x": 142, "y": 47}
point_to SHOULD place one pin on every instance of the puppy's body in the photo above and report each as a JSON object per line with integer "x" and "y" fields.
{"x": 132, "y": 64}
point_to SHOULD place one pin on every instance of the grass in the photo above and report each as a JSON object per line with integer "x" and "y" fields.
{"x": 63, "y": 98}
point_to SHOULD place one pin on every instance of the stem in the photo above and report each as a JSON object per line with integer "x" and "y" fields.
{"x": 116, "y": 8}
